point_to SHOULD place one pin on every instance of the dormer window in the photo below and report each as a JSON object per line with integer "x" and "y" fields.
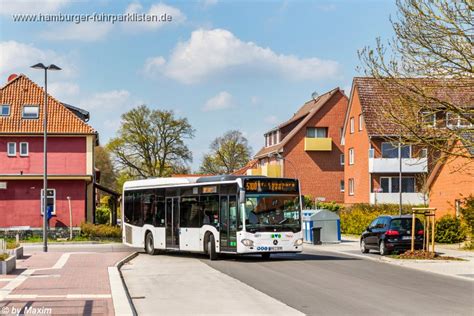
{"x": 5, "y": 110}
{"x": 30, "y": 112}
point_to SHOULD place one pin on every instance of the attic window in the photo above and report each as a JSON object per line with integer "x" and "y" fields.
{"x": 30, "y": 112}
{"x": 5, "y": 110}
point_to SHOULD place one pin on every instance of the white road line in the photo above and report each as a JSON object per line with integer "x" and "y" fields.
{"x": 62, "y": 261}
{"x": 14, "y": 283}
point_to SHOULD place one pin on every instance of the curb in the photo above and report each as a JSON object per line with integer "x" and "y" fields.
{"x": 121, "y": 299}
{"x": 392, "y": 262}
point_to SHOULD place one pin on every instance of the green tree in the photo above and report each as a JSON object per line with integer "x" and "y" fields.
{"x": 106, "y": 168}
{"x": 228, "y": 153}
{"x": 150, "y": 143}
{"x": 433, "y": 41}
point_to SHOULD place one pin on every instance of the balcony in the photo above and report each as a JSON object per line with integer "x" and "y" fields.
{"x": 317, "y": 144}
{"x": 392, "y": 165}
{"x": 266, "y": 170}
{"x": 412, "y": 198}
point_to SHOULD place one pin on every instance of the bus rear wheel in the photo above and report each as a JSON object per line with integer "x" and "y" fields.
{"x": 150, "y": 244}
{"x": 211, "y": 248}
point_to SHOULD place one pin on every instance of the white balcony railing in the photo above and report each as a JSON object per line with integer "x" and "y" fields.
{"x": 414, "y": 198}
{"x": 392, "y": 165}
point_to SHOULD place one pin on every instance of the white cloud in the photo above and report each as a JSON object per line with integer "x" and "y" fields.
{"x": 271, "y": 119}
{"x": 18, "y": 57}
{"x": 223, "y": 100}
{"x": 64, "y": 91}
{"x": 116, "y": 100}
{"x": 158, "y": 10}
{"x": 8, "y": 7}
{"x": 153, "y": 64}
{"x": 86, "y": 32}
{"x": 217, "y": 52}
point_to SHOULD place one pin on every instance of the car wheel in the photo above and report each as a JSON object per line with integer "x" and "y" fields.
{"x": 150, "y": 244}
{"x": 363, "y": 247}
{"x": 211, "y": 248}
{"x": 382, "y": 249}
{"x": 265, "y": 255}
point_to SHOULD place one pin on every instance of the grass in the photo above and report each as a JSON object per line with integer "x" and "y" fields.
{"x": 423, "y": 255}
{"x": 12, "y": 244}
{"x": 4, "y": 256}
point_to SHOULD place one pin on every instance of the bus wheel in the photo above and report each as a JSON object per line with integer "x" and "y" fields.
{"x": 150, "y": 244}
{"x": 265, "y": 255}
{"x": 211, "y": 248}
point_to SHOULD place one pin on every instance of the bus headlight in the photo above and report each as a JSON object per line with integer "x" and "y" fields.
{"x": 299, "y": 242}
{"x": 247, "y": 242}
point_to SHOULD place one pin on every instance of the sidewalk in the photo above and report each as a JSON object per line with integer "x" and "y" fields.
{"x": 458, "y": 269}
{"x": 60, "y": 282}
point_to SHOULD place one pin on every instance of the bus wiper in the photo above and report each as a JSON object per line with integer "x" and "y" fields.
{"x": 283, "y": 221}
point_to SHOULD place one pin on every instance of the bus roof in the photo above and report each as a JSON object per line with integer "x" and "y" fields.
{"x": 170, "y": 181}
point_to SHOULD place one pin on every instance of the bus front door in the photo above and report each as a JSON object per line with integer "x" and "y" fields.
{"x": 172, "y": 222}
{"x": 228, "y": 223}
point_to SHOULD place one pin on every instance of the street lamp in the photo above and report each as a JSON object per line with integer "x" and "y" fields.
{"x": 45, "y": 159}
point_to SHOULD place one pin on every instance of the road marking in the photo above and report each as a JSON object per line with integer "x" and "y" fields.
{"x": 62, "y": 261}
{"x": 14, "y": 283}
{"x": 45, "y": 276}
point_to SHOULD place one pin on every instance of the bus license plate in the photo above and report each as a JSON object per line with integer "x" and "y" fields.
{"x": 275, "y": 248}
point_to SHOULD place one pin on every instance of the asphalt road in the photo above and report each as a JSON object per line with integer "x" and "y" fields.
{"x": 325, "y": 283}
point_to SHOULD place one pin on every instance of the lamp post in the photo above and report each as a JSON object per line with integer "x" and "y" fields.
{"x": 45, "y": 159}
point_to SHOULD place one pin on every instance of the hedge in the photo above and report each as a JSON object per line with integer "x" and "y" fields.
{"x": 100, "y": 231}
{"x": 450, "y": 230}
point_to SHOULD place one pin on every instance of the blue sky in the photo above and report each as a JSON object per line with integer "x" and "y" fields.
{"x": 245, "y": 65}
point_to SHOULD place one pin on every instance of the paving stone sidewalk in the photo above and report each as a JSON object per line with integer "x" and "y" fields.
{"x": 64, "y": 282}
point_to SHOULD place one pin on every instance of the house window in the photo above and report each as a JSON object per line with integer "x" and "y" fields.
{"x": 24, "y": 149}
{"x": 275, "y": 138}
{"x": 341, "y": 159}
{"x": 30, "y": 112}
{"x": 351, "y": 156}
{"x": 341, "y": 185}
{"x": 317, "y": 132}
{"x": 11, "y": 149}
{"x": 352, "y": 125}
{"x": 5, "y": 110}
{"x": 428, "y": 119}
{"x": 391, "y": 184}
{"x": 390, "y": 150}
{"x": 266, "y": 141}
{"x": 360, "y": 122}
{"x": 50, "y": 201}
{"x": 351, "y": 186}
{"x": 454, "y": 120}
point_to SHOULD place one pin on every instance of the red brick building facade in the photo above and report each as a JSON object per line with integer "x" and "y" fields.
{"x": 308, "y": 147}
{"x": 71, "y": 143}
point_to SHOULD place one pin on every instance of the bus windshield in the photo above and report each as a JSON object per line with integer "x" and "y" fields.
{"x": 271, "y": 212}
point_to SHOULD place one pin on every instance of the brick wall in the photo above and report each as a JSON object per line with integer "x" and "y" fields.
{"x": 320, "y": 172}
{"x": 359, "y": 171}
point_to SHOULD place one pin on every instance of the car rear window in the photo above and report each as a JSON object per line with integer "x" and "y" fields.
{"x": 402, "y": 224}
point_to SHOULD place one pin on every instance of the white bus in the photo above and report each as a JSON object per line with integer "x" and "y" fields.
{"x": 212, "y": 215}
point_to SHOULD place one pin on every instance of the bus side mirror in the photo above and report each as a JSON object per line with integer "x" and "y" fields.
{"x": 241, "y": 196}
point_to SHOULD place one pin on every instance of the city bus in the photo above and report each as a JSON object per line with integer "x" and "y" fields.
{"x": 213, "y": 215}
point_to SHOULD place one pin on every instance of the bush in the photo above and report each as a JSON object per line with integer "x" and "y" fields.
{"x": 449, "y": 230}
{"x": 12, "y": 244}
{"x": 100, "y": 231}
{"x": 4, "y": 256}
{"x": 330, "y": 206}
{"x": 102, "y": 214}
{"x": 356, "y": 218}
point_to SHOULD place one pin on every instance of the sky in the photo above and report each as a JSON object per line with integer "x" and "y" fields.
{"x": 224, "y": 65}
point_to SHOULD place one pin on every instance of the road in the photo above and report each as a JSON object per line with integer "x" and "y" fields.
{"x": 314, "y": 283}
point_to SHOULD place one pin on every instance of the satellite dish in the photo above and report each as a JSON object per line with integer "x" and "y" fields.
{"x": 314, "y": 95}
{"x": 11, "y": 77}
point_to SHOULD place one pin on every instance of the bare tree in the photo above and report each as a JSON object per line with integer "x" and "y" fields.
{"x": 428, "y": 68}
{"x": 150, "y": 143}
{"x": 228, "y": 153}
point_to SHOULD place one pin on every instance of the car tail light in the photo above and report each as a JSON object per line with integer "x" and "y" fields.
{"x": 420, "y": 232}
{"x": 392, "y": 232}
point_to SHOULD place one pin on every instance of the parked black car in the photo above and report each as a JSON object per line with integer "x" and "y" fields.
{"x": 388, "y": 234}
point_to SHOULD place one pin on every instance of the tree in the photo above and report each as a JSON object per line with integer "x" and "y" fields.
{"x": 104, "y": 164}
{"x": 228, "y": 153}
{"x": 427, "y": 66}
{"x": 150, "y": 143}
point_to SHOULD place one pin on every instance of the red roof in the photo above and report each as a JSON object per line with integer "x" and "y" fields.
{"x": 22, "y": 91}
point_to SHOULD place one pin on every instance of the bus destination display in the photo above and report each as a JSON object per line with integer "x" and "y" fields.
{"x": 271, "y": 186}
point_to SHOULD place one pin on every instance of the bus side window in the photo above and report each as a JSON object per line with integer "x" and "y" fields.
{"x": 128, "y": 204}
{"x": 159, "y": 208}
{"x": 210, "y": 206}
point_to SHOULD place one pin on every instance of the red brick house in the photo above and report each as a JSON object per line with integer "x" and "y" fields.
{"x": 71, "y": 144}
{"x": 452, "y": 180}
{"x": 372, "y": 166}
{"x": 308, "y": 147}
